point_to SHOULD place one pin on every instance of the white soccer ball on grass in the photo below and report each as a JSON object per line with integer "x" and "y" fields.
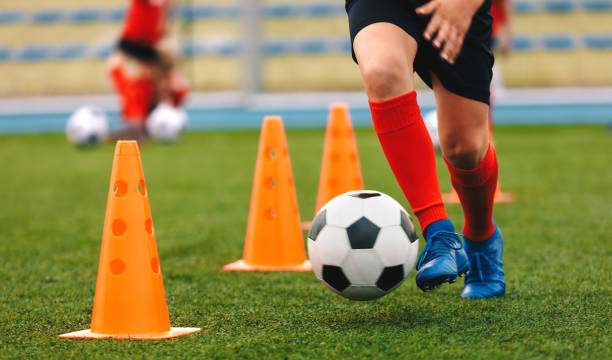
{"x": 166, "y": 123}
{"x": 88, "y": 125}
{"x": 362, "y": 244}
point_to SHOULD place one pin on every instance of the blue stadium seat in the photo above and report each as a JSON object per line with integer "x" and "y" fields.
{"x": 47, "y": 16}
{"x": 274, "y": 47}
{"x": 326, "y": 9}
{"x": 311, "y": 46}
{"x": 11, "y": 16}
{"x": 558, "y": 42}
{"x": 69, "y": 51}
{"x": 86, "y": 15}
{"x": 5, "y": 53}
{"x": 197, "y": 12}
{"x": 522, "y": 43}
{"x": 597, "y": 41}
{"x": 229, "y": 48}
{"x": 524, "y": 7}
{"x": 192, "y": 49}
{"x": 34, "y": 53}
{"x": 281, "y": 10}
{"x": 208, "y": 11}
{"x": 227, "y": 11}
{"x": 102, "y": 51}
{"x": 341, "y": 45}
{"x": 115, "y": 14}
{"x": 559, "y": 6}
{"x": 598, "y": 5}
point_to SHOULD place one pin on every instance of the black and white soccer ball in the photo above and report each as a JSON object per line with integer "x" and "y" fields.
{"x": 88, "y": 125}
{"x": 362, "y": 244}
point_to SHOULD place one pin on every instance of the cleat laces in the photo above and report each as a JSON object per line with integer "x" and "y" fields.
{"x": 444, "y": 240}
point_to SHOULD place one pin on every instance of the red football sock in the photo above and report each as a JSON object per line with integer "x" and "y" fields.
{"x": 410, "y": 153}
{"x": 476, "y": 190}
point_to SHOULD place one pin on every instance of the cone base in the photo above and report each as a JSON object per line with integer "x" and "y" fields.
{"x": 241, "y": 265}
{"x": 88, "y": 334}
{"x": 500, "y": 197}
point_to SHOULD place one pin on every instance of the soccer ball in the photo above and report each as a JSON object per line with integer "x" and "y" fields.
{"x": 362, "y": 244}
{"x": 431, "y": 123}
{"x": 88, "y": 125}
{"x": 166, "y": 122}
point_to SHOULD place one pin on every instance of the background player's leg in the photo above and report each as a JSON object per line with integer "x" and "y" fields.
{"x": 135, "y": 85}
{"x": 385, "y": 54}
{"x": 465, "y": 143}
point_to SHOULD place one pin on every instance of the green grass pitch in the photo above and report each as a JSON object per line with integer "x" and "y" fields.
{"x": 558, "y": 255}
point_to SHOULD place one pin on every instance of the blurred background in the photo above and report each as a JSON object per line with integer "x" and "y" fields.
{"x": 235, "y": 51}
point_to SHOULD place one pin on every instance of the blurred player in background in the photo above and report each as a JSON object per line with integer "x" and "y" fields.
{"x": 448, "y": 43}
{"x": 144, "y": 67}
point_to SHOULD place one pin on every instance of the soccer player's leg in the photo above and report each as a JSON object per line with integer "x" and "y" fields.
{"x": 466, "y": 145}
{"x": 385, "y": 53}
{"x": 135, "y": 85}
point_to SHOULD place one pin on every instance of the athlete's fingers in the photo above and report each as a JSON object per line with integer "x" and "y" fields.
{"x": 454, "y": 48}
{"x": 432, "y": 27}
{"x": 442, "y": 36}
{"x": 427, "y": 8}
{"x": 448, "y": 52}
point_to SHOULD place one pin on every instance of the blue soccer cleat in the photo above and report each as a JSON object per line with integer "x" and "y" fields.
{"x": 442, "y": 260}
{"x": 486, "y": 276}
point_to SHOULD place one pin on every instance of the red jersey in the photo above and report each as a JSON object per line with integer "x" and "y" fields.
{"x": 145, "y": 21}
{"x": 499, "y": 15}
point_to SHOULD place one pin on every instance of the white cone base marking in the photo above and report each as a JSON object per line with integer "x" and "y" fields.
{"x": 241, "y": 265}
{"x": 88, "y": 334}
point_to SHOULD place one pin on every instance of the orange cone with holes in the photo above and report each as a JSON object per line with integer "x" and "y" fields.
{"x": 340, "y": 170}
{"x": 130, "y": 302}
{"x": 273, "y": 239}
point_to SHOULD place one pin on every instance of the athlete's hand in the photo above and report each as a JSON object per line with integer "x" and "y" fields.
{"x": 450, "y": 21}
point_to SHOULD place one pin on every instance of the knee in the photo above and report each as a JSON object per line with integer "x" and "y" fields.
{"x": 384, "y": 82}
{"x": 464, "y": 153}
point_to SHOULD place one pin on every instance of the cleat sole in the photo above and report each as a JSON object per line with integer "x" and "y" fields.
{"x": 437, "y": 282}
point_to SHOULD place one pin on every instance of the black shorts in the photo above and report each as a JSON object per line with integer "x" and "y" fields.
{"x": 142, "y": 52}
{"x": 471, "y": 74}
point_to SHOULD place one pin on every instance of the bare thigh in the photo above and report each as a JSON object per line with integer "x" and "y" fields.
{"x": 385, "y": 54}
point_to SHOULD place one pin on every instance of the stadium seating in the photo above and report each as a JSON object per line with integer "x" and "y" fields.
{"x": 278, "y": 47}
{"x": 101, "y": 20}
{"x": 271, "y": 10}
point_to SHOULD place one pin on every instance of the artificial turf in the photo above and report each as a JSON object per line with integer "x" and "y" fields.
{"x": 558, "y": 255}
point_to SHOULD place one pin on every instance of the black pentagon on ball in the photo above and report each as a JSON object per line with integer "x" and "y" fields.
{"x": 408, "y": 227}
{"x": 334, "y": 276}
{"x": 365, "y": 195}
{"x": 362, "y": 234}
{"x": 390, "y": 277}
{"x": 318, "y": 224}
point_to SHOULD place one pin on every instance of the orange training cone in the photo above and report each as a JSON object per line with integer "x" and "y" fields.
{"x": 274, "y": 239}
{"x": 340, "y": 170}
{"x": 130, "y": 302}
